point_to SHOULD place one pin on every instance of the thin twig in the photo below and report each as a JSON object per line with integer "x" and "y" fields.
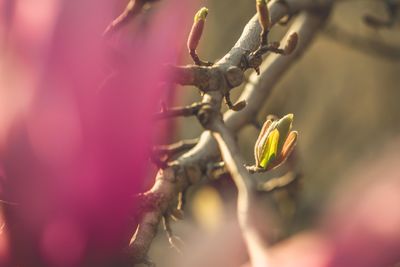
{"x": 132, "y": 9}
{"x": 175, "y": 148}
{"x": 278, "y": 183}
{"x": 371, "y": 46}
{"x": 256, "y": 237}
{"x": 186, "y": 111}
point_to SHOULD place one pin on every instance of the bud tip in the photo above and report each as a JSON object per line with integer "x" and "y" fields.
{"x": 201, "y": 14}
{"x": 290, "y": 116}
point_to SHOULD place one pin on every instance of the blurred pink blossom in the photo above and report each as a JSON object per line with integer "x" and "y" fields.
{"x": 73, "y": 150}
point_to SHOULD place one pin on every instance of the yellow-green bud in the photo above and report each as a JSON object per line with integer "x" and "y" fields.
{"x": 275, "y": 142}
{"x": 201, "y": 14}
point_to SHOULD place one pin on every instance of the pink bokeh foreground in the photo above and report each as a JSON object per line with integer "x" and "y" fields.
{"x": 75, "y": 126}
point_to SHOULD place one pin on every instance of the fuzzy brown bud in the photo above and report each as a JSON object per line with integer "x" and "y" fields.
{"x": 291, "y": 43}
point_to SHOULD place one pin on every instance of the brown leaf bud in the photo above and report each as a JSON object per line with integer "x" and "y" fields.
{"x": 263, "y": 15}
{"x": 291, "y": 44}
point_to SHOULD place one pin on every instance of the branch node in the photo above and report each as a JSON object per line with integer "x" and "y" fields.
{"x": 197, "y": 61}
{"x": 234, "y": 76}
{"x": 216, "y": 170}
{"x": 205, "y": 113}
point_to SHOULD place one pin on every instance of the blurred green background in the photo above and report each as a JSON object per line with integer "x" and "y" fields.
{"x": 345, "y": 101}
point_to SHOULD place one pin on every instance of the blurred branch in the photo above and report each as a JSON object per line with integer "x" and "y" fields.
{"x": 392, "y": 8}
{"x": 161, "y": 155}
{"x": 192, "y": 166}
{"x": 249, "y": 211}
{"x": 215, "y": 170}
{"x": 132, "y": 9}
{"x": 175, "y": 148}
{"x": 278, "y": 183}
{"x": 186, "y": 111}
{"x": 371, "y": 46}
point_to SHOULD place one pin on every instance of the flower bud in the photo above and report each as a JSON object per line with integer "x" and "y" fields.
{"x": 263, "y": 15}
{"x": 197, "y": 29}
{"x": 291, "y": 43}
{"x": 275, "y": 142}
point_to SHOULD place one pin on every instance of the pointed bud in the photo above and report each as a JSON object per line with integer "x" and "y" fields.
{"x": 289, "y": 144}
{"x": 291, "y": 43}
{"x": 270, "y": 149}
{"x": 275, "y": 142}
{"x": 284, "y": 125}
{"x": 261, "y": 138}
{"x": 263, "y": 15}
{"x": 197, "y": 29}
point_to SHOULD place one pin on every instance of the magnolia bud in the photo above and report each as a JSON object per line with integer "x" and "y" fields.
{"x": 197, "y": 29}
{"x": 263, "y": 15}
{"x": 275, "y": 142}
{"x": 291, "y": 44}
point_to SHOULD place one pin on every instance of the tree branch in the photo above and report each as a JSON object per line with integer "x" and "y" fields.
{"x": 190, "y": 167}
{"x": 132, "y": 9}
{"x": 175, "y": 148}
{"x": 219, "y": 77}
{"x": 252, "y": 218}
{"x": 371, "y": 46}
